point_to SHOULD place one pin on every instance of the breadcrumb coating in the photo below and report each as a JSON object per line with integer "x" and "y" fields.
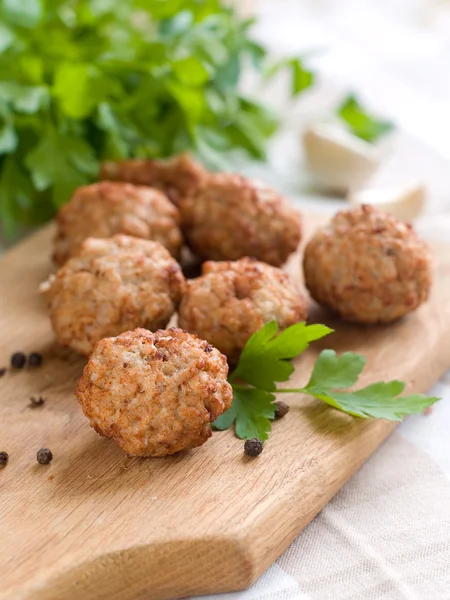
{"x": 111, "y": 286}
{"x": 177, "y": 177}
{"x": 367, "y": 266}
{"x": 232, "y": 300}
{"x": 108, "y": 207}
{"x": 155, "y": 393}
{"x": 231, "y": 217}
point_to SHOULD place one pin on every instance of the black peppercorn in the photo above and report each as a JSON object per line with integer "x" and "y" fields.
{"x": 4, "y": 458}
{"x": 18, "y": 360}
{"x": 253, "y": 447}
{"x": 44, "y": 456}
{"x": 34, "y": 402}
{"x": 2, "y": 371}
{"x": 35, "y": 359}
{"x": 281, "y": 409}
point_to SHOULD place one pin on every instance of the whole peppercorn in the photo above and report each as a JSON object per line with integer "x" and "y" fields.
{"x": 253, "y": 447}
{"x": 44, "y": 456}
{"x": 2, "y": 371}
{"x": 281, "y": 409}
{"x": 35, "y": 359}
{"x": 18, "y": 360}
{"x": 4, "y": 458}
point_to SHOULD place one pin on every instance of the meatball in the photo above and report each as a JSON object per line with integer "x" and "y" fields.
{"x": 233, "y": 300}
{"x": 109, "y": 207}
{"x": 367, "y": 266}
{"x": 177, "y": 177}
{"x": 113, "y": 285}
{"x": 154, "y": 393}
{"x": 231, "y": 217}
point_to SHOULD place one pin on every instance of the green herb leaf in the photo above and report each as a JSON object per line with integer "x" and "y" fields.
{"x": 252, "y": 411}
{"x": 16, "y": 196}
{"x": 265, "y": 360}
{"x": 72, "y": 89}
{"x": 87, "y": 81}
{"x": 190, "y": 70}
{"x": 6, "y": 37}
{"x": 61, "y": 161}
{"x": 8, "y": 137}
{"x": 331, "y": 371}
{"x": 266, "y": 356}
{"x": 302, "y": 78}
{"x": 378, "y": 401}
{"x": 25, "y": 13}
{"x": 360, "y": 122}
{"x": 23, "y": 98}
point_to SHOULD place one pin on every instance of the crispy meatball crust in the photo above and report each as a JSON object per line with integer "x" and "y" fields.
{"x": 367, "y": 266}
{"x": 231, "y": 217}
{"x": 154, "y": 393}
{"x": 108, "y": 207}
{"x": 177, "y": 177}
{"x": 233, "y": 300}
{"x": 113, "y": 285}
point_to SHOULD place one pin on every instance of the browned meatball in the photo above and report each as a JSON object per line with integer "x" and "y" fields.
{"x": 177, "y": 177}
{"x": 233, "y": 300}
{"x": 103, "y": 209}
{"x": 155, "y": 393}
{"x": 231, "y": 217}
{"x": 367, "y": 266}
{"x": 111, "y": 286}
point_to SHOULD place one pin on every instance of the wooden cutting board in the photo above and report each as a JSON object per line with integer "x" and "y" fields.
{"x": 96, "y": 524}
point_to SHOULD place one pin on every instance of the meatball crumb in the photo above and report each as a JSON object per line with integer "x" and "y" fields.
{"x": 154, "y": 407}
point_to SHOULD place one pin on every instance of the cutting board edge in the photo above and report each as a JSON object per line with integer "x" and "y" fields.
{"x": 96, "y": 579}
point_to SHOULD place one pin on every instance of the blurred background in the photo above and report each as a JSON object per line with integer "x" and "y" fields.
{"x": 394, "y": 55}
{"x": 237, "y": 83}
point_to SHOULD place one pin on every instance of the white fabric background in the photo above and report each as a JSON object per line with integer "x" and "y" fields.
{"x": 386, "y": 534}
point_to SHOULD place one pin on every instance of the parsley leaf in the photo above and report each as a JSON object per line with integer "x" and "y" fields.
{"x": 25, "y": 13}
{"x": 331, "y": 371}
{"x": 302, "y": 78}
{"x": 265, "y": 360}
{"x": 252, "y": 410}
{"x": 62, "y": 161}
{"x": 83, "y": 82}
{"x": 266, "y": 356}
{"x": 360, "y": 122}
{"x": 378, "y": 401}
{"x": 17, "y": 194}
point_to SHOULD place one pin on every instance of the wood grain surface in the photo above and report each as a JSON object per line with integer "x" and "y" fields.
{"x": 96, "y": 524}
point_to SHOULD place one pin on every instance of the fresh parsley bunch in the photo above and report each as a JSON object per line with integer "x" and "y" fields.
{"x": 84, "y": 80}
{"x": 266, "y": 360}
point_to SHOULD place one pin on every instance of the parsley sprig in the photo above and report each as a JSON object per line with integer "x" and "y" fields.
{"x": 81, "y": 82}
{"x": 266, "y": 360}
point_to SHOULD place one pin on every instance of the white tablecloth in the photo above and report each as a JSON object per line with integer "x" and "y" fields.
{"x": 386, "y": 534}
